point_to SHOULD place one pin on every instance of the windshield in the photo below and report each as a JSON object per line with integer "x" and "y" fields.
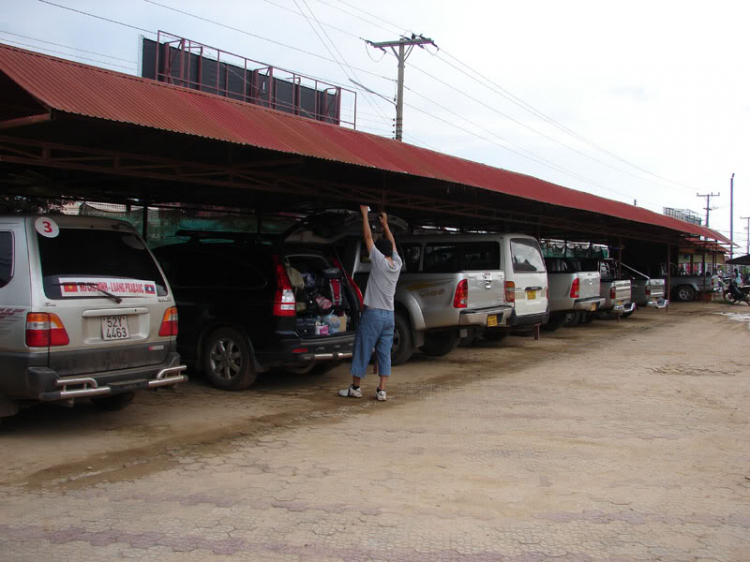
{"x": 84, "y": 254}
{"x": 527, "y": 258}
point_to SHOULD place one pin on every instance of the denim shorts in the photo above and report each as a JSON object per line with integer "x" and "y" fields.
{"x": 375, "y": 331}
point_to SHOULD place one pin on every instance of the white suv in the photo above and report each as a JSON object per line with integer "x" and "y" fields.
{"x": 85, "y": 311}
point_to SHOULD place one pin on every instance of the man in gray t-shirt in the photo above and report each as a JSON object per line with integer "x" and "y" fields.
{"x": 377, "y": 322}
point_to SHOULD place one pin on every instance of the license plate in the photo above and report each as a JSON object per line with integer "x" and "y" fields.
{"x": 115, "y": 328}
{"x": 530, "y": 295}
{"x": 492, "y": 320}
{"x": 593, "y": 307}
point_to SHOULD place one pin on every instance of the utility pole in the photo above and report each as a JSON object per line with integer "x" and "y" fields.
{"x": 402, "y": 54}
{"x": 731, "y": 217}
{"x": 708, "y": 202}
{"x": 748, "y": 233}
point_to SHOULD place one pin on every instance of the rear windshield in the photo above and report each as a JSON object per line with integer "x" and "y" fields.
{"x": 527, "y": 258}
{"x": 461, "y": 256}
{"x": 84, "y": 253}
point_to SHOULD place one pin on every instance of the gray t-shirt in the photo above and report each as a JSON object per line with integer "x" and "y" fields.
{"x": 381, "y": 286}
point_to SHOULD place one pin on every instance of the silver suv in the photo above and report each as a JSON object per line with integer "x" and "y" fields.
{"x": 85, "y": 312}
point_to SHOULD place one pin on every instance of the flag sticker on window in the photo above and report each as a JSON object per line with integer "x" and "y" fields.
{"x": 96, "y": 286}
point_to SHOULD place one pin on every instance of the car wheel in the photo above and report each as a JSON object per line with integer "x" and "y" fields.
{"x": 556, "y": 320}
{"x": 325, "y": 367}
{"x": 113, "y": 403}
{"x": 437, "y": 344}
{"x": 403, "y": 348}
{"x": 684, "y": 293}
{"x": 227, "y": 361}
{"x": 495, "y": 335}
{"x": 627, "y": 314}
{"x": 729, "y": 297}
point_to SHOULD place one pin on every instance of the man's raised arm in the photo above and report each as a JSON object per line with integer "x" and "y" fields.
{"x": 366, "y": 232}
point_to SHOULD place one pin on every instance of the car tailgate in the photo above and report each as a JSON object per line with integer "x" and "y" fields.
{"x": 589, "y": 284}
{"x": 486, "y": 289}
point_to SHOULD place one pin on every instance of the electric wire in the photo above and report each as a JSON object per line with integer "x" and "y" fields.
{"x": 499, "y": 90}
{"x": 53, "y": 51}
{"x": 356, "y": 16}
{"x": 343, "y": 65}
{"x": 97, "y": 17}
{"x": 256, "y": 36}
{"x": 64, "y": 46}
{"x": 533, "y": 130}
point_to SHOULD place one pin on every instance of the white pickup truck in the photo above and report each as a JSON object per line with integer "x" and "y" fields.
{"x": 573, "y": 293}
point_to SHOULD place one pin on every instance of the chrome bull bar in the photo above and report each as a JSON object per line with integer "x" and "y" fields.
{"x": 90, "y": 388}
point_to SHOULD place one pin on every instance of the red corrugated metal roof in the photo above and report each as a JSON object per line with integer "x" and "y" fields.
{"x": 80, "y": 89}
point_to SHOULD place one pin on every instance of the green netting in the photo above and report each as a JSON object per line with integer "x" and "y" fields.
{"x": 163, "y": 224}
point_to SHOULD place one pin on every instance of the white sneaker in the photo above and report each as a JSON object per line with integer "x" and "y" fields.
{"x": 351, "y": 392}
{"x": 380, "y": 394}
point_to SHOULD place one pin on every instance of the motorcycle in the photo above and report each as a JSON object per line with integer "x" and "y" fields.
{"x": 734, "y": 294}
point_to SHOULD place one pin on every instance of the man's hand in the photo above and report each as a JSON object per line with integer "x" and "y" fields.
{"x": 383, "y": 218}
{"x": 364, "y": 209}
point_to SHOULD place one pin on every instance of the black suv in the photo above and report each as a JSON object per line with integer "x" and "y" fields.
{"x": 247, "y": 305}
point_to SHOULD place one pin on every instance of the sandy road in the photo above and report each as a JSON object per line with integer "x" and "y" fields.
{"x": 613, "y": 441}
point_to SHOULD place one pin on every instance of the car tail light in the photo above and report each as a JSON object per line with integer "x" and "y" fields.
{"x": 44, "y": 330}
{"x": 357, "y": 291}
{"x": 612, "y": 292}
{"x": 648, "y": 291}
{"x": 575, "y": 288}
{"x": 462, "y": 294}
{"x": 284, "y": 303}
{"x": 510, "y": 291}
{"x": 169, "y": 322}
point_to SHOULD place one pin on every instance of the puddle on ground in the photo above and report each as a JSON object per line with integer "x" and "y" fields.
{"x": 738, "y": 316}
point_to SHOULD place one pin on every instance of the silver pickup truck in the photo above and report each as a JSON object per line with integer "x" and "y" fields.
{"x": 574, "y": 294}
{"x": 646, "y": 291}
{"x": 686, "y": 287}
{"x": 617, "y": 293}
{"x": 449, "y": 284}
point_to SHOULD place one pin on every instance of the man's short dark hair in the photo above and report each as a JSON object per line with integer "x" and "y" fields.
{"x": 385, "y": 247}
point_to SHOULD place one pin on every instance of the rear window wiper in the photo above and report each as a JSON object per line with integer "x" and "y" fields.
{"x": 96, "y": 286}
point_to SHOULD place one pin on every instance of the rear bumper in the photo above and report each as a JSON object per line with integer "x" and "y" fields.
{"x": 658, "y": 303}
{"x": 591, "y": 305}
{"x": 289, "y": 351}
{"x": 45, "y": 384}
{"x": 480, "y": 317}
{"x": 528, "y": 320}
{"x": 625, "y": 308}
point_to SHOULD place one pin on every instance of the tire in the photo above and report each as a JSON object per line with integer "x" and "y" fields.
{"x": 556, "y": 320}
{"x": 627, "y": 314}
{"x": 227, "y": 361}
{"x": 403, "y": 346}
{"x": 588, "y": 317}
{"x": 729, "y": 297}
{"x": 113, "y": 403}
{"x": 301, "y": 368}
{"x": 437, "y": 344}
{"x": 495, "y": 335}
{"x": 684, "y": 293}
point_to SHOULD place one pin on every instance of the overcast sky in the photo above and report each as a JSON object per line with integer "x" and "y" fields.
{"x": 637, "y": 100}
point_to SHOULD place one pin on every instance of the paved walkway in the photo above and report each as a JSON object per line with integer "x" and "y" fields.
{"x": 633, "y": 447}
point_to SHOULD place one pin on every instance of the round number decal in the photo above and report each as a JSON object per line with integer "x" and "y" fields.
{"x": 47, "y": 227}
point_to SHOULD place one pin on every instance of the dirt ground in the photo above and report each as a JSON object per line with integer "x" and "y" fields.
{"x": 605, "y": 442}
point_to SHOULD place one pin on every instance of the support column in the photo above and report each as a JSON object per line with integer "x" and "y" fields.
{"x": 668, "y": 287}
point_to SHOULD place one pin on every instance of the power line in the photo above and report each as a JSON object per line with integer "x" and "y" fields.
{"x": 256, "y": 36}
{"x": 343, "y": 66}
{"x": 65, "y": 46}
{"x": 45, "y": 49}
{"x": 528, "y": 107}
{"x": 533, "y": 130}
{"x": 97, "y": 17}
{"x": 359, "y": 18}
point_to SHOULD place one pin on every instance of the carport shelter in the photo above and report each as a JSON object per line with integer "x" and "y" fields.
{"x": 77, "y": 131}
